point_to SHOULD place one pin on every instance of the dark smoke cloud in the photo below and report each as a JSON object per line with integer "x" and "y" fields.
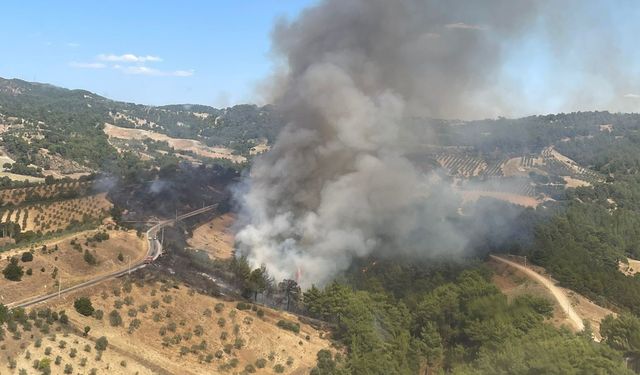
{"x": 336, "y": 184}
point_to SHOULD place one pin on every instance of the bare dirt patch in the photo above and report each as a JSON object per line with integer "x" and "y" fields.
{"x": 630, "y": 268}
{"x": 215, "y": 237}
{"x": 178, "y": 143}
{"x": 522, "y": 200}
{"x": 574, "y": 182}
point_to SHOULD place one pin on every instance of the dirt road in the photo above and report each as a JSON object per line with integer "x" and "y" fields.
{"x": 558, "y": 294}
{"x": 153, "y": 252}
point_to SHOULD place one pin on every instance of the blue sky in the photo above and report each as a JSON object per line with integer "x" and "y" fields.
{"x": 216, "y": 52}
{"x": 205, "y": 52}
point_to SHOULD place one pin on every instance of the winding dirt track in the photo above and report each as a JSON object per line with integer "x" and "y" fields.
{"x": 558, "y": 294}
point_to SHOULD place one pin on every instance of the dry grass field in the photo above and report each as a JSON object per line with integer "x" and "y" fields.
{"x": 167, "y": 328}
{"x": 64, "y": 259}
{"x": 177, "y": 143}
{"x": 215, "y": 237}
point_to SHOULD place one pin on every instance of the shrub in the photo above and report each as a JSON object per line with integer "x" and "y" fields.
{"x": 198, "y": 330}
{"x": 222, "y": 322}
{"x": 101, "y": 344}
{"x": 13, "y": 271}
{"x": 289, "y": 326}
{"x": 120, "y": 257}
{"x": 26, "y": 257}
{"x": 279, "y": 369}
{"x": 250, "y": 368}
{"x": 98, "y": 314}
{"x": 83, "y": 306}
{"x": 47, "y": 350}
{"x": 114, "y": 318}
{"x": 90, "y": 258}
{"x": 261, "y": 363}
{"x": 239, "y": 343}
{"x": 243, "y": 306}
{"x": 219, "y": 307}
{"x": 73, "y": 352}
{"x": 260, "y": 313}
{"x": 68, "y": 369}
{"x": 29, "y": 272}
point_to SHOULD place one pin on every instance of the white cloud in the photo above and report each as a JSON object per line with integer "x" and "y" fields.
{"x": 128, "y": 58}
{"x": 145, "y": 70}
{"x": 632, "y": 96}
{"x": 89, "y": 65}
{"x": 73, "y": 45}
{"x": 464, "y": 26}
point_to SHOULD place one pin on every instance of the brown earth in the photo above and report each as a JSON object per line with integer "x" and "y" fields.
{"x": 522, "y": 200}
{"x": 177, "y": 143}
{"x": 630, "y": 268}
{"x": 215, "y": 237}
{"x": 574, "y": 182}
{"x": 177, "y": 304}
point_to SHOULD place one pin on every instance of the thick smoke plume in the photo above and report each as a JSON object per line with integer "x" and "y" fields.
{"x": 337, "y": 184}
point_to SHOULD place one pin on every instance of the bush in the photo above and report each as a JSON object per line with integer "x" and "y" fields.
{"x": 90, "y": 258}
{"x": 101, "y": 344}
{"x": 68, "y": 369}
{"x": 289, "y": 326}
{"x": 219, "y": 307}
{"x": 279, "y": 369}
{"x": 222, "y": 322}
{"x": 98, "y": 314}
{"x": 261, "y": 363}
{"x": 250, "y": 368}
{"x": 13, "y": 271}
{"x": 83, "y": 306}
{"x": 29, "y": 272}
{"x": 260, "y": 313}
{"x": 243, "y": 306}
{"x": 26, "y": 257}
{"x": 114, "y": 318}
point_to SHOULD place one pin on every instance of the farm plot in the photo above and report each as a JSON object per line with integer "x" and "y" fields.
{"x": 55, "y": 216}
{"x": 43, "y": 192}
{"x": 462, "y": 165}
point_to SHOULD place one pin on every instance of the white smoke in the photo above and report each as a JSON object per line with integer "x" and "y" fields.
{"x": 337, "y": 184}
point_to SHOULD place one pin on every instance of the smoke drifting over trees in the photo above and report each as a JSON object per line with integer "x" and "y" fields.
{"x": 337, "y": 184}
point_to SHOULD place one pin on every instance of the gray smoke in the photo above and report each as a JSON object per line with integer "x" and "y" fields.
{"x": 337, "y": 184}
